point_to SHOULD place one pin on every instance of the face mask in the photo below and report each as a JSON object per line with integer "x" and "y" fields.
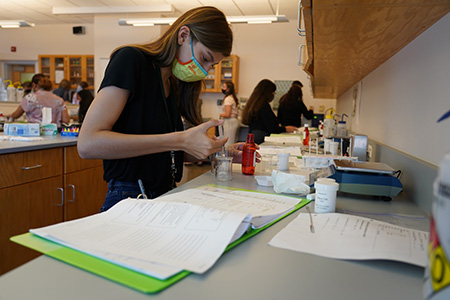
{"x": 189, "y": 71}
{"x": 224, "y": 91}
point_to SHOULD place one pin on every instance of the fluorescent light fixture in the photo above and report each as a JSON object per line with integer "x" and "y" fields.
{"x": 147, "y": 21}
{"x": 15, "y": 24}
{"x": 91, "y": 10}
{"x": 232, "y": 19}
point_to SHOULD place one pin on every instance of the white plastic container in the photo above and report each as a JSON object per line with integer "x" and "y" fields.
{"x": 326, "y": 191}
{"x": 11, "y": 91}
{"x": 334, "y": 148}
{"x": 328, "y": 127}
{"x": 283, "y": 161}
{"x": 342, "y": 128}
{"x": 437, "y": 273}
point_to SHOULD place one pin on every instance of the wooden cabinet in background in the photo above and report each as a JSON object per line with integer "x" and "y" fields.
{"x": 226, "y": 70}
{"x": 75, "y": 68}
{"x": 44, "y": 187}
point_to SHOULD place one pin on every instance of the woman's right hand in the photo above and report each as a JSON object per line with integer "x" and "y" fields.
{"x": 198, "y": 144}
{"x": 290, "y": 128}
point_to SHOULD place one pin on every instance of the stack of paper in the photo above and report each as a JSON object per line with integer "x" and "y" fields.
{"x": 188, "y": 230}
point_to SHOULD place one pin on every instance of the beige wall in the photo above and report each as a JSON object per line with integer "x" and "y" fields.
{"x": 265, "y": 51}
{"x": 402, "y": 99}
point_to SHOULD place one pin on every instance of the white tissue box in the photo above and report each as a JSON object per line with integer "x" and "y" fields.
{"x": 49, "y": 129}
{"x": 22, "y": 129}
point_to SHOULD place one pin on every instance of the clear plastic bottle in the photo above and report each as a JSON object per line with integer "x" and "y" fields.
{"x": 248, "y": 156}
{"x": 329, "y": 124}
{"x": 306, "y": 135}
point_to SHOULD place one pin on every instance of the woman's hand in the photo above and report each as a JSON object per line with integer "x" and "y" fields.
{"x": 235, "y": 150}
{"x": 290, "y": 128}
{"x": 198, "y": 144}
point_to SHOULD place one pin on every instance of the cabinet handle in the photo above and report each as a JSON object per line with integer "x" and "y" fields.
{"x": 62, "y": 197}
{"x": 301, "y": 32}
{"x": 300, "y": 62}
{"x": 73, "y": 193}
{"x": 32, "y": 167}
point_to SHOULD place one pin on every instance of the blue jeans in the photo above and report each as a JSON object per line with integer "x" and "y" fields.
{"x": 119, "y": 190}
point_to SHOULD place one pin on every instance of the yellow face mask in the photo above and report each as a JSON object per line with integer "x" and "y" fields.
{"x": 189, "y": 71}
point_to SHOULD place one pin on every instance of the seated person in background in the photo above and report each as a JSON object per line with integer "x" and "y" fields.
{"x": 258, "y": 114}
{"x": 292, "y": 108}
{"x": 85, "y": 99}
{"x": 41, "y": 96}
{"x": 64, "y": 90}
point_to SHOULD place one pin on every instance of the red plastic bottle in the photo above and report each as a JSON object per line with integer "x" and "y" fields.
{"x": 248, "y": 156}
{"x": 306, "y": 135}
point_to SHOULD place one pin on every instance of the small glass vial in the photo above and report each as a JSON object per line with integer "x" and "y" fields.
{"x": 248, "y": 156}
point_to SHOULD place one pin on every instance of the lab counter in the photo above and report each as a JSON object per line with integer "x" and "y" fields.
{"x": 252, "y": 270}
{"x": 47, "y": 142}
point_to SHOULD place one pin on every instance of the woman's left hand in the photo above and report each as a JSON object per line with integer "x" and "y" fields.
{"x": 236, "y": 151}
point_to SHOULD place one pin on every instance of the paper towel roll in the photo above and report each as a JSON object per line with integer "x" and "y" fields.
{"x": 46, "y": 115}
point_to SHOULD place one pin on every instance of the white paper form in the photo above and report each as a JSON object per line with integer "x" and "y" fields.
{"x": 351, "y": 237}
{"x": 177, "y": 234}
{"x": 263, "y": 207}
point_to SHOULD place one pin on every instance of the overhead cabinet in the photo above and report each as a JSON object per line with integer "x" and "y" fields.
{"x": 75, "y": 68}
{"x": 348, "y": 39}
{"x": 226, "y": 70}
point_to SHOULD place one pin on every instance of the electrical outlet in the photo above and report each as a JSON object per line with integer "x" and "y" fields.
{"x": 369, "y": 151}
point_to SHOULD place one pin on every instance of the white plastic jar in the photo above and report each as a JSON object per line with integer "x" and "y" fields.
{"x": 326, "y": 191}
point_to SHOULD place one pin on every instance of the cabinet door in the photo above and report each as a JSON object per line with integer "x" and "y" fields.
{"x": 85, "y": 192}
{"x": 26, "y": 206}
{"x": 76, "y": 66}
{"x": 229, "y": 71}
{"x": 90, "y": 74}
{"x": 53, "y": 66}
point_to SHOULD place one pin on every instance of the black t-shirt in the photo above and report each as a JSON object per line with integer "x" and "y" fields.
{"x": 144, "y": 113}
{"x": 266, "y": 122}
{"x": 291, "y": 113}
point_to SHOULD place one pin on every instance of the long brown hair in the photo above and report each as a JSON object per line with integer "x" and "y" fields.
{"x": 232, "y": 92}
{"x": 294, "y": 94}
{"x": 263, "y": 93}
{"x": 209, "y": 26}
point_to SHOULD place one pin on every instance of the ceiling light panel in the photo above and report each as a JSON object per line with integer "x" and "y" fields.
{"x": 112, "y": 9}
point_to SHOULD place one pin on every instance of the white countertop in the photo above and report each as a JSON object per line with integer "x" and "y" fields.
{"x": 46, "y": 143}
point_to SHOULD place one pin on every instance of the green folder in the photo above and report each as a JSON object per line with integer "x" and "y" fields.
{"x": 119, "y": 274}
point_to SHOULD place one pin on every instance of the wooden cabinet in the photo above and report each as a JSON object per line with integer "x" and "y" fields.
{"x": 84, "y": 187}
{"x": 348, "y": 39}
{"x": 75, "y": 68}
{"x": 44, "y": 187}
{"x": 226, "y": 70}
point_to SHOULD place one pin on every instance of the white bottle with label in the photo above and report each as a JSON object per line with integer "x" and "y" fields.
{"x": 11, "y": 91}
{"x": 326, "y": 191}
{"x": 437, "y": 273}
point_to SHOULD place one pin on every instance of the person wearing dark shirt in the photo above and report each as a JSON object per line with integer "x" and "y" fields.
{"x": 64, "y": 90}
{"x": 258, "y": 113}
{"x": 134, "y": 123}
{"x": 85, "y": 99}
{"x": 292, "y": 108}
